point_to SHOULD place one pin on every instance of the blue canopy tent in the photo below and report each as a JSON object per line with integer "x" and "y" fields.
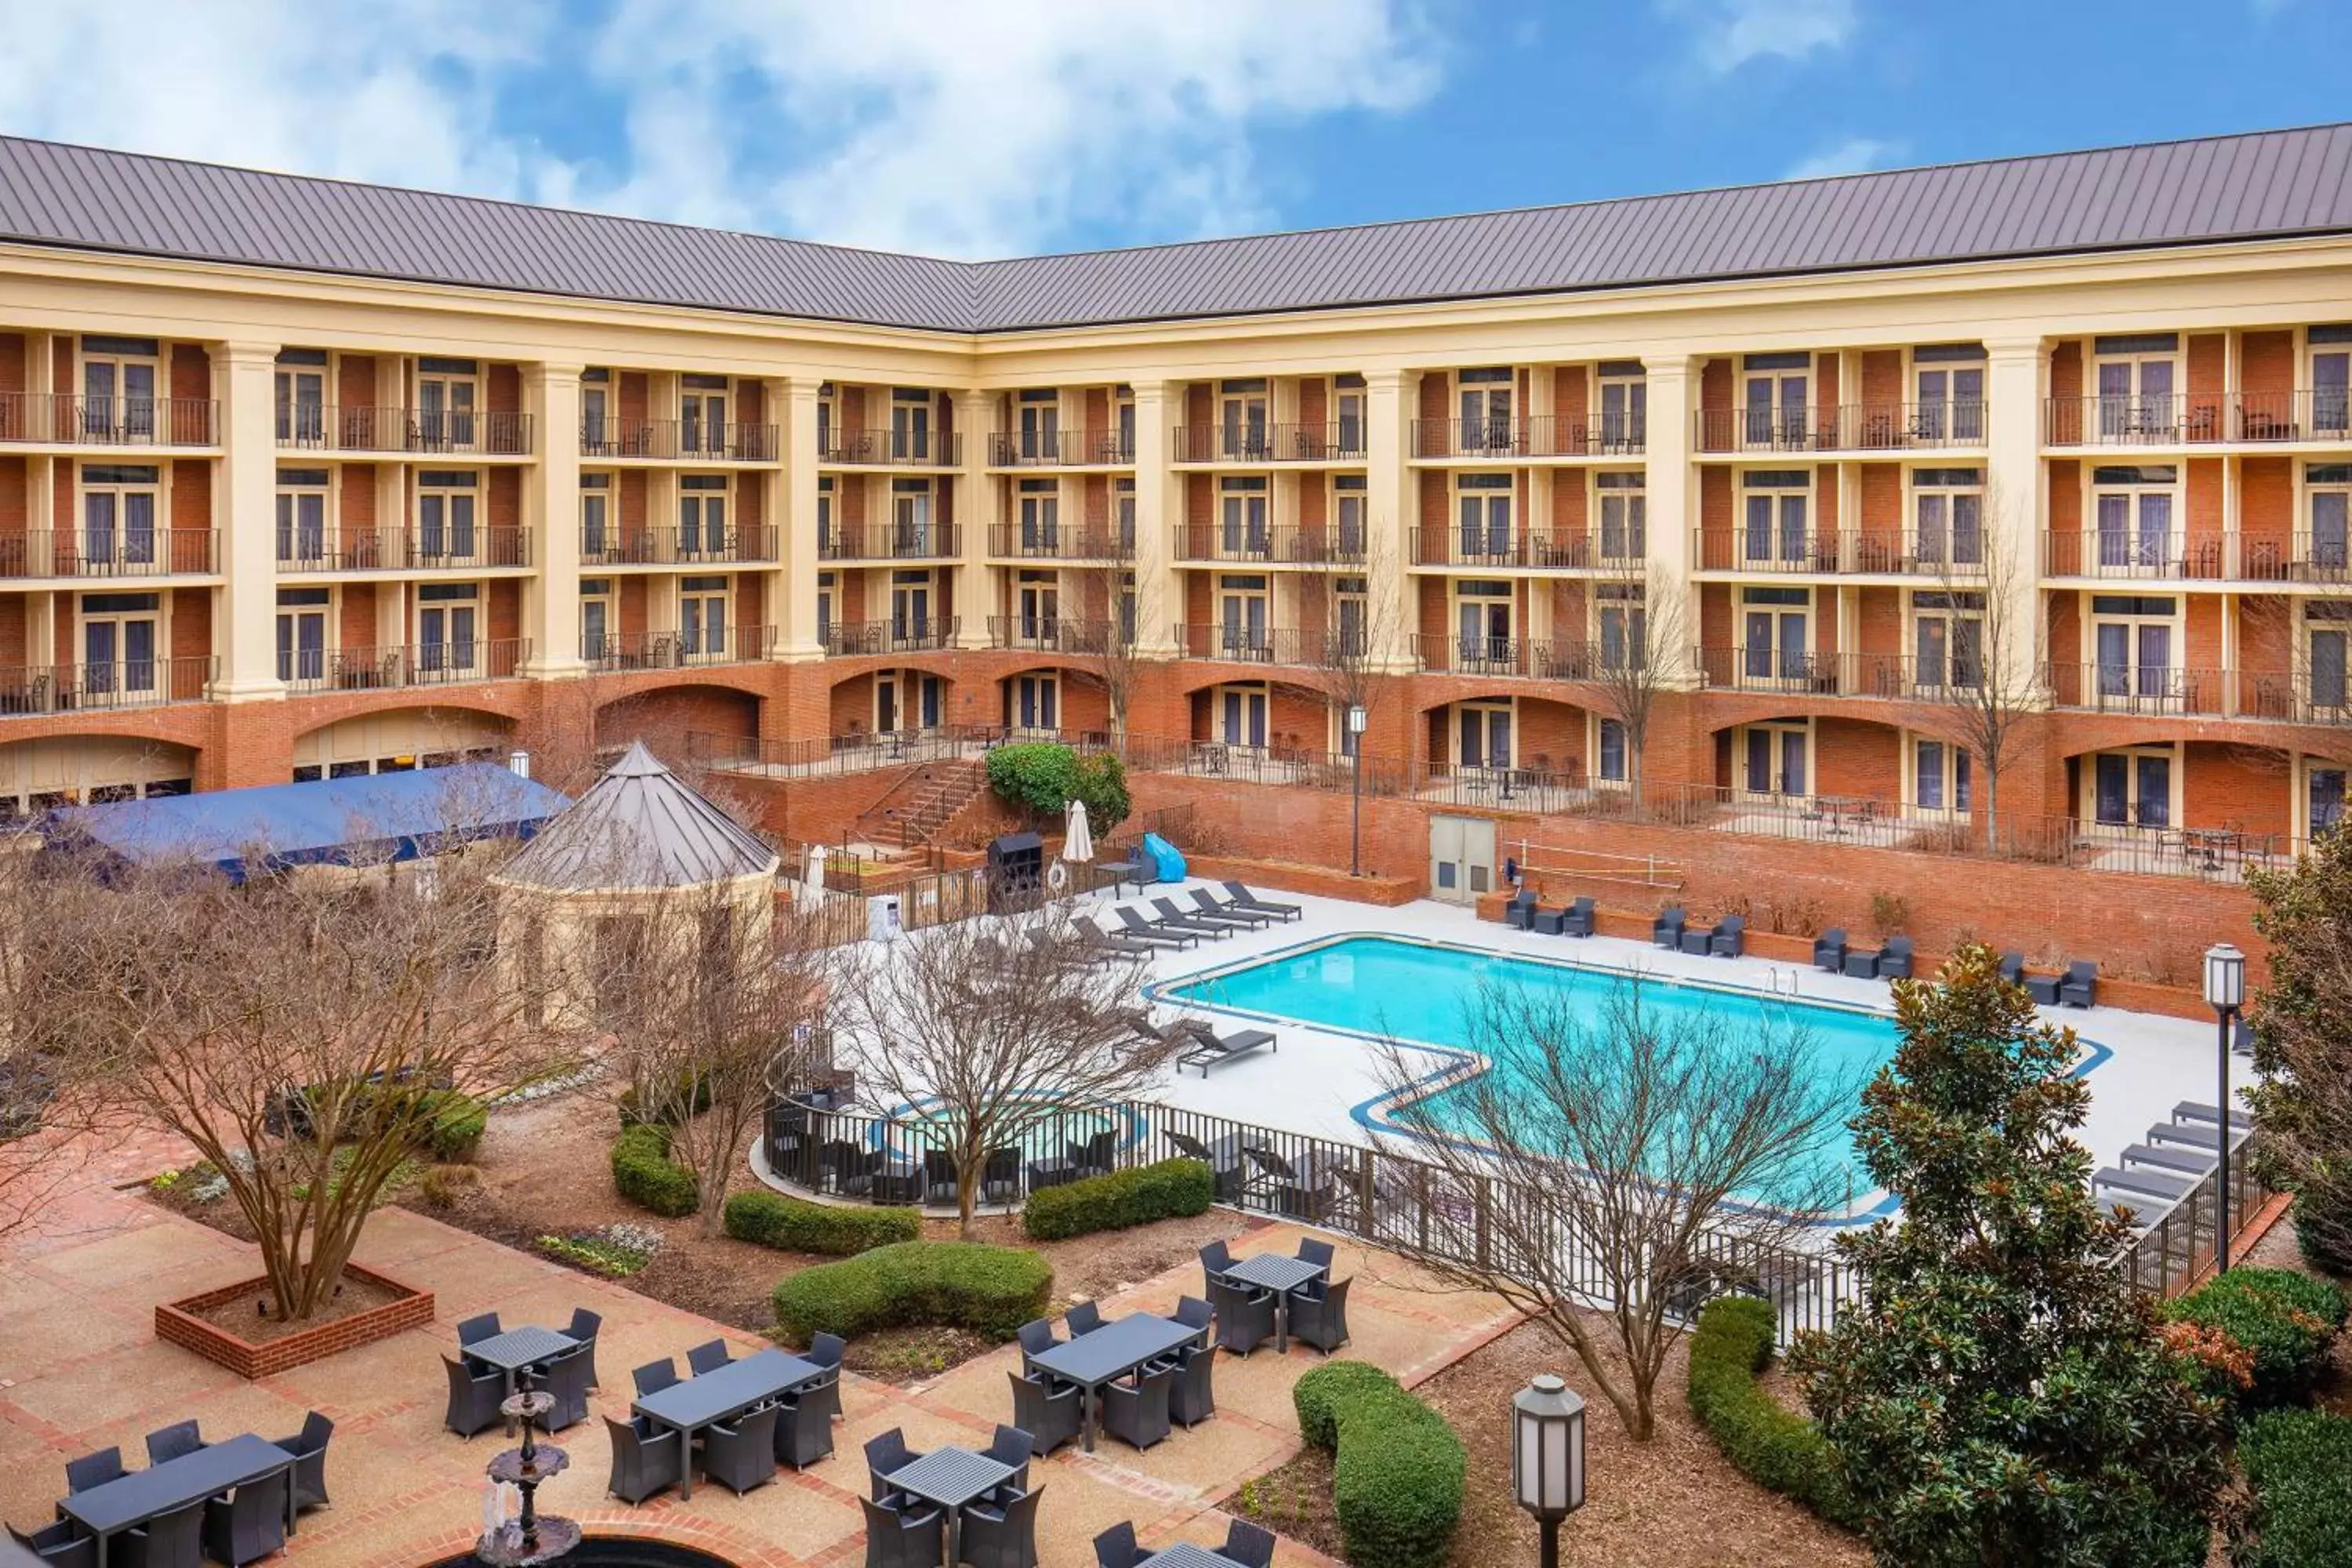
{"x": 369, "y": 820}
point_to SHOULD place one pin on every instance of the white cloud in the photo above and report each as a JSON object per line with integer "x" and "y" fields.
{"x": 1728, "y": 33}
{"x": 930, "y": 125}
{"x": 1854, "y": 155}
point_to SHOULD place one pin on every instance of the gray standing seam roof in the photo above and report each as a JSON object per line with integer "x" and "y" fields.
{"x": 2273, "y": 184}
{"x": 638, "y": 827}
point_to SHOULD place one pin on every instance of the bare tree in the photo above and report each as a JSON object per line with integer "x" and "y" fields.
{"x": 993, "y": 1030}
{"x": 1991, "y": 679}
{"x": 1357, "y": 614}
{"x": 1115, "y": 604}
{"x": 1638, "y": 619}
{"x": 1616, "y": 1165}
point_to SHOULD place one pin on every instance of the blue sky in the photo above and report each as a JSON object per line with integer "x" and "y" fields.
{"x": 994, "y": 127}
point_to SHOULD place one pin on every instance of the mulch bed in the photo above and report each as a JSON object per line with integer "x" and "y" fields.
{"x": 247, "y": 1317}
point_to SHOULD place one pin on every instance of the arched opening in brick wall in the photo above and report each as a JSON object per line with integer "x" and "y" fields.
{"x": 1279, "y": 717}
{"x": 663, "y": 719}
{"x": 1052, "y": 697}
{"x": 87, "y": 770}
{"x": 2151, "y": 782}
{"x": 396, "y": 740}
{"x": 898, "y": 700}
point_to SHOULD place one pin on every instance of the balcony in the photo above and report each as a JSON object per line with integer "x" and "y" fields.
{"x": 1842, "y": 428}
{"x": 1337, "y": 441}
{"x": 104, "y": 687}
{"x": 1508, "y": 658}
{"x": 1060, "y": 449}
{"x": 1882, "y": 551}
{"x": 1533, "y": 436}
{"x": 2199, "y": 418}
{"x": 58, "y": 419}
{"x": 690, "y": 440}
{"x": 1288, "y": 545}
{"x": 673, "y": 547}
{"x": 85, "y": 554}
{"x": 890, "y": 449}
{"x": 625, "y": 651}
{"x": 2117, "y": 553}
{"x": 1057, "y": 544}
{"x": 2167, "y": 691}
{"x": 890, "y": 542}
{"x": 399, "y": 550}
{"x": 1292, "y": 647}
{"x": 852, "y": 640}
{"x": 1884, "y": 677}
{"x": 1477, "y": 548}
{"x": 1051, "y": 634}
{"x": 430, "y": 432}
{"x": 389, "y": 668}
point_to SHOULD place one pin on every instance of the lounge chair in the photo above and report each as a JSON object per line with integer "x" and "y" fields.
{"x": 1829, "y": 950}
{"x": 1109, "y": 946}
{"x": 1225, "y": 920}
{"x": 1208, "y": 905}
{"x": 2180, "y": 1161}
{"x": 1519, "y": 914}
{"x": 1142, "y": 930}
{"x": 1097, "y": 1156}
{"x": 1577, "y": 920}
{"x": 1729, "y": 937}
{"x": 1895, "y": 964}
{"x": 1173, "y": 919}
{"x": 2080, "y": 988}
{"x": 1273, "y": 907}
{"x": 1666, "y": 930}
{"x": 1209, "y": 1050}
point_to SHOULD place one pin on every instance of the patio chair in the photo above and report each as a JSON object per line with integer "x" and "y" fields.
{"x": 1003, "y": 1535}
{"x": 1084, "y": 1318}
{"x": 1895, "y": 964}
{"x": 826, "y": 1350}
{"x": 2013, "y": 968}
{"x": 823, "y": 1397}
{"x": 1047, "y": 1410}
{"x": 93, "y": 1469}
{"x": 1036, "y": 1337}
{"x": 940, "y": 1185}
{"x": 1320, "y": 1252}
{"x": 1209, "y": 1050}
{"x": 175, "y": 1540}
{"x": 2081, "y": 986}
{"x": 567, "y": 1379}
{"x": 1104, "y": 943}
{"x": 1249, "y": 1545}
{"x": 1207, "y": 904}
{"x": 655, "y": 1377}
{"x": 1828, "y": 950}
{"x": 1275, "y": 907}
{"x": 804, "y": 1432}
{"x": 1195, "y": 1313}
{"x": 168, "y": 1443}
{"x": 1096, "y": 1155}
{"x": 1519, "y": 914}
{"x": 1012, "y": 1447}
{"x": 1215, "y": 1260}
{"x": 1245, "y": 1318}
{"x": 1193, "y": 1394}
{"x": 897, "y": 1540}
{"x": 473, "y": 1331}
{"x": 1115, "y": 1547}
{"x": 1142, "y": 930}
{"x": 709, "y": 1356}
{"x": 1729, "y": 937}
{"x": 308, "y": 1447}
{"x": 1580, "y": 919}
{"x": 741, "y": 1457}
{"x": 1306, "y": 1190}
{"x": 60, "y": 1544}
{"x": 1666, "y": 930}
{"x": 885, "y": 1456}
{"x": 474, "y": 1399}
{"x": 646, "y": 1458}
{"x": 849, "y": 1168}
{"x": 248, "y": 1524}
{"x": 1136, "y": 1413}
{"x": 582, "y": 1328}
{"x": 1208, "y": 923}
{"x": 1321, "y": 1320}
{"x": 999, "y": 1174}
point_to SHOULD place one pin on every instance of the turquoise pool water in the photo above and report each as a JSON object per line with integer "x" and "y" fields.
{"x": 1424, "y": 993}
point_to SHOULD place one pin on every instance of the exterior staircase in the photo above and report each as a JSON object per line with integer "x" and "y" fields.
{"x": 915, "y": 809}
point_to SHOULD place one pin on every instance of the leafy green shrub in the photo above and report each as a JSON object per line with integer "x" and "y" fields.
{"x": 2283, "y": 1320}
{"x": 643, "y": 1172}
{"x": 1397, "y": 1468}
{"x": 596, "y": 1253}
{"x": 2298, "y": 1467}
{"x": 992, "y": 1291}
{"x": 1769, "y": 1445}
{"x": 1123, "y": 1198}
{"x": 458, "y": 1122}
{"x": 795, "y": 1224}
{"x": 1042, "y": 778}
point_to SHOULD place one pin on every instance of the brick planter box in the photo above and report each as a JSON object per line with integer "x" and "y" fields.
{"x": 178, "y": 1323}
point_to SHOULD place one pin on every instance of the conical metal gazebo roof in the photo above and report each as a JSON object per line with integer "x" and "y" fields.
{"x": 638, "y": 827}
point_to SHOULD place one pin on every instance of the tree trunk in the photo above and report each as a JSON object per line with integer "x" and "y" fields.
{"x": 971, "y": 1167}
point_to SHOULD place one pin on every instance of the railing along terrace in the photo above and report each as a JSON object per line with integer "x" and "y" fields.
{"x": 71, "y": 419}
{"x": 1956, "y": 678}
{"x": 1287, "y": 544}
{"x": 1060, "y": 448}
{"x": 1332, "y": 441}
{"x": 890, "y": 542}
{"x": 327, "y": 549}
{"x": 1295, "y": 647}
{"x": 108, "y": 552}
{"x": 2194, "y": 418}
{"x": 1062, "y": 542}
{"x": 1539, "y": 549}
{"x": 891, "y": 449}
{"x": 1532, "y": 436}
{"x": 2175, "y": 1244}
{"x": 1054, "y": 634}
{"x": 104, "y": 686}
{"x": 625, "y": 651}
{"x": 862, "y": 752}
{"x": 849, "y": 640}
{"x": 419, "y": 664}
{"x": 329, "y": 427}
{"x": 1842, "y": 428}
{"x": 611, "y": 546}
{"x": 692, "y": 439}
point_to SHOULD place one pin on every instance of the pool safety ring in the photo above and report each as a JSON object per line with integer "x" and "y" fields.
{"x": 1057, "y": 875}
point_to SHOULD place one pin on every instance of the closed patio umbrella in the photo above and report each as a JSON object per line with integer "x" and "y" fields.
{"x": 816, "y": 882}
{"x": 1078, "y": 843}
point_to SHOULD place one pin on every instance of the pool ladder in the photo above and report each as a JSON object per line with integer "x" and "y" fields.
{"x": 1772, "y": 981}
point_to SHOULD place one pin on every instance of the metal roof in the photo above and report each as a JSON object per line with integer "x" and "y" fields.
{"x": 2253, "y": 185}
{"x": 638, "y": 827}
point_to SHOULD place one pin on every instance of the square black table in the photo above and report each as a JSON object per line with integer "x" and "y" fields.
{"x": 722, "y": 1394}
{"x": 951, "y": 1476}
{"x": 518, "y": 1348}
{"x": 1110, "y": 1354}
{"x": 1273, "y": 1271}
{"x": 144, "y": 1495}
{"x": 1184, "y": 1555}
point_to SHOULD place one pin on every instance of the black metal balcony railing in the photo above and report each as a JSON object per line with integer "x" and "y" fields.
{"x": 1451, "y": 653}
{"x": 1886, "y": 676}
{"x": 1332, "y": 441}
{"x": 333, "y": 428}
{"x": 1061, "y": 543}
{"x": 1748, "y": 549}
{"x": 401, "y": 549}
{"x": 1287, "y": 544}
{"x": 673, "y": 547}
{"x": 1842, "y": 428}
{"x": 2193, "y": 419}
{"x": 1297, "y": 647}
{"x": 890, "y": 448}
{"x": 388, "y": 668}
{"x": 2303, "y": 557}
{"x": 848, "y": 639}
{"x": 85, "y": 552}
{"x": 1532, "y": 436}
{"x": 1052, "y": 634}
{"x": 1484, "y": 548}
{"x": 68, "y": 419}
{"x": 96, "y": 688}
{"x": 890, "y": 542}
{"x": 694, "y": 440}
{"x": 1060, "y": 449}
{"x": 623, "y": 651}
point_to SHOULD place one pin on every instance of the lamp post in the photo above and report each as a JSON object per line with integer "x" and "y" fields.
{"x": 1548, "y": 1456}
{"x": 1355, "y": 717}
{"x": 2225, "y": 992}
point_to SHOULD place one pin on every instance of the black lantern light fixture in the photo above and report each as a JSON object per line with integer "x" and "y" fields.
{"x": 1548, "y": 1456}
{"x": 2225, "y": 993}
{"x": 1356, "y": 721}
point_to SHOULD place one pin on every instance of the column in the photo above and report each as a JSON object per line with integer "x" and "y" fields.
{"x": 1158, "y": 509}
{"x": 1390, "y": 504}
{"x": 550, "y": 505}
{"x": 775, "y": 588}
{"x": 1672, "y": 502}
{"x": 796, "y": 616}
{"x": 2014, "y": 501}
{"x": 978, "y": 509}
{"x": 244, "y": 503}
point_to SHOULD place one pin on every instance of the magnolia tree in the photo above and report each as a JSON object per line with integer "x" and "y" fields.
{"x": 2303, "y": 1044}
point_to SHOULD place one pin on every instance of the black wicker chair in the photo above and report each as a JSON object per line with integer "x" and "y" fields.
{"x": 93, "y": 1469}
{"x": 1250, "y": 1545}
{"x": 1115, "y": 1547}
{"x": 885, "y": 1456}
{"x": 897, "y": 1540}
{"x": 646, "y": 1458}
{"x": 1136, "y": 1413}
{"x": 1012, "y": 1447}
{"x": 655, "y": 1377}
{"x": 804, "y": 1432}
{"x": 1003, "y": 1535}
{"x": 1049, "y": 1412}
{"x": 566, "y": 1377}
{"x": 1192, "y": 1396}
{"x": 1244, "y": 1317}
{"x": 584, "y": 1325}
{"x": 168, "y": 1443}
{"x": 1084, "y": 1318}
{"x": 308, "y": 1447}
{"x": 249, "y": 1524}
{"x": 1321, "y": 1320}
{"x": 61, "y": 1544}
{"x": 709, "y": 1356}
{"x": 169, "y": 1540}
{"x": 741, "y": 1457}
{"x": 473, "y": 1400}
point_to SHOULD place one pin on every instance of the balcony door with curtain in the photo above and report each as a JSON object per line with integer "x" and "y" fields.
{"x": 2132, "y": 789}
{"x": 1483, "y": 736}
{"x": 1774, "y": 760}
{"x": 1242, "y": 716}
{"x": 1482, "y": 399}
{"x": 1241, "y": 618}
{"x": 1484, "y": 627}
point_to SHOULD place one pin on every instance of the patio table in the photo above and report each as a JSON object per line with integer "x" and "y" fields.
{"x": 720, "y": 1394}
{"x": 951, "y": 1476}
{"x": 518, "y": 1348}
{"x": 1111, "y": 1352}
{"x": 1184, "y": 1555}
{"x": 1273, "y": 1271}
{"x": 149, "y": 1494}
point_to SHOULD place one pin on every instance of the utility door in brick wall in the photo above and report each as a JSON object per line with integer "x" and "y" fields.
{"x": 1461, "y": 858}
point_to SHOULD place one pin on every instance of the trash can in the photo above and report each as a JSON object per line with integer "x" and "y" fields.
{"x": 884, "y": 917}
{"x": 1016, "y": 872}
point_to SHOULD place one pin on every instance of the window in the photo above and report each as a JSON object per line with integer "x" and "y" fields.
{"x": 910, "y": 607}
{"x": 1948, "y": 517}
{"x": 1612, "y": 760}
{"x": 1482, "y": 617}
{"x": 1775, "y": 508}
{"x": 303, "y": 518}
{"x": 828, "y": 541}
{"x": 1123, "y": 514}
{"x": 119, "y": 504}
{"x": 1939, "y": 776}
{"x": 2328, "y": 632}
{"x": 1624, "y": 516}
{"x": 596, "y": 515}
{"x": 1481, "y": 400}
{"x": 1624, "y": 406}
{"x": 1349, "y": 496}
{"x": 702, "y": 618}
{"x": 2132, "y": 640}
{"x": 1123, "y": 417}
{"x": 302, "y": 397}
{"x": 596, "y": 619}
{"x": 1482, "y": 735}
{"x": 702, "y": 516}
{"x": 2136, "y": 374}
{"x": 1242, "y": 716}
{"x": 445, "y": 404}
{"x": 2323, "y": 797}
{"x": 1040, "y": 425}
{"x": 892, "y": 714}
{"x": 2132, "y": 789}
{"x": 911, "y": 517}
{"x": 1241, "y": 419}
{"x": 1241, "y": 510}
{"x": 1624, "y": 625}
{"x": 121, "y": 635}
{"x": 1352, "y": 616}
{"x": 302, "y": 636}
{"x": 825, "y": 590}
{"x": 827, "y": 422}
{"x": 2133, "y": 508}
{"x": 1241, "y": 602}
{"x": 1347, "y": 403}
{"x": 445, "y": 625}
{"x": 2328, "y": 547}
{"x": 1774, "y": 758}
{"x": 1038, "y": 596}
{"x": 2331, "y": 379}
{"x": 702, "y": 415}
{"x": 1948, "y": 381}
{"x": 1041, "y": 517}
{"x": 1482, "y": 511}
{"x": 1775, "y": 651}
{"x": 1033, "y": 703}
{"x": 446, "y": 504}
{"x": 1948, "y": 640}
{"x": 1773, "y": 398}
{"x": 911, "y": 424}
{"x": 596, "y": 411}
{"x": 118, "y": 380}
{"x": 1127, "y": 609}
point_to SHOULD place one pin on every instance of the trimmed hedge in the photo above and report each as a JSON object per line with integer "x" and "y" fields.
{"x": 1769, "y": 1445}
{"x": 2284, "y": 1320}
{"x": 643, "y": 1172}
{"x": 794, "y": 1225}
{"x": 991, "y": 1290}
{"x": 458, "y": 1122}
{"x": 2298, "y": 1466}
{"x": 1397, "y": 1468}
{"x": 1123, "y": 1198}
